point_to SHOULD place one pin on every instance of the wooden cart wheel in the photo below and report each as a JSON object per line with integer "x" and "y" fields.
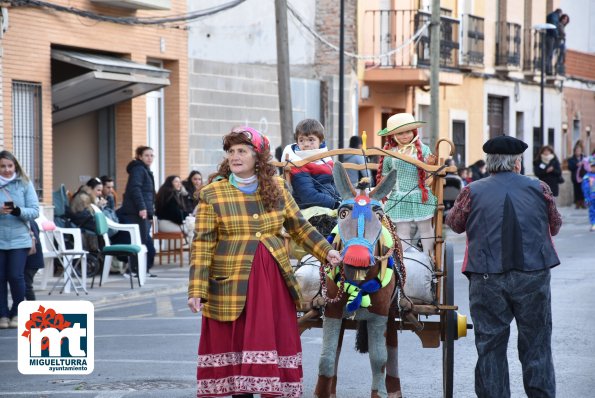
{"x": 449, "y": 324}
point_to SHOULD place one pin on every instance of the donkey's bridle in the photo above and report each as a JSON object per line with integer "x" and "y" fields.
{"x": 362, "y": 210}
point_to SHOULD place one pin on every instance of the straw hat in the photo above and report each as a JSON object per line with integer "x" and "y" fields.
{"x": 400, "y": 122}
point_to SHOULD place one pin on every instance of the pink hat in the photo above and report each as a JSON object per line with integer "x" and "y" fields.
{"x": 258, "y": 140}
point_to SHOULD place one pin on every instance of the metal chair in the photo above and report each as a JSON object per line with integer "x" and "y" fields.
{"x": 108, "y": 251}
{"x": 68, "y": 257}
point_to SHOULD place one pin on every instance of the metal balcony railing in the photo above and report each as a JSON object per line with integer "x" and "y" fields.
{"x": 473, "y": 39}
{"x": 387, "y": 30}
{"x": 449, "y": 40}
{"x": 532, "y": 51}
{"x": 508, "y": 44}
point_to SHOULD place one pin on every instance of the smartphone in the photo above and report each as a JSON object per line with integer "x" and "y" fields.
{"x": 10, "y": 205}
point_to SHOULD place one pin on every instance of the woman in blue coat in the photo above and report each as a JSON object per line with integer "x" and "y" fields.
{"x": 20, "y": 206}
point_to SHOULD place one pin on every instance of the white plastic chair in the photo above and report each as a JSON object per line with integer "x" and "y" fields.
{"x": 135, "y": 239}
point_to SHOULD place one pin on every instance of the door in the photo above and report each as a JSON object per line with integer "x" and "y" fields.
{"x": 155, "y": 134}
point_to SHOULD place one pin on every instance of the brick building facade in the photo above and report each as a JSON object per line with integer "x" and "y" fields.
{"x": 49, "y": 54}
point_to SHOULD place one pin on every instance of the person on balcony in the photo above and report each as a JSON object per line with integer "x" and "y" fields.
{"x": 561, "y": 44}
{"x": 551, "y": 39}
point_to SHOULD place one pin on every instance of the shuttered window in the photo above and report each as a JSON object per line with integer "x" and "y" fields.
{"x": 26, "y": 127}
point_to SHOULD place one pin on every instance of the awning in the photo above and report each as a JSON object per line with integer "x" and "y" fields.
{"x": 110, "y": 80}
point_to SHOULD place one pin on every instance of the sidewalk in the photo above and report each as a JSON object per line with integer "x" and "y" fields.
{"x": 171, "y": 278}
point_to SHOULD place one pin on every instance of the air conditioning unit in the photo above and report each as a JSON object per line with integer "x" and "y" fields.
{"x": 136, "y": 4}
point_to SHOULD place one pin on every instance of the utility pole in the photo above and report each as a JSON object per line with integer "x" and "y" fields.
{"x": 283, "y": 74}
{"x": 435, "y": 73}
{"x": 341, "y": 76}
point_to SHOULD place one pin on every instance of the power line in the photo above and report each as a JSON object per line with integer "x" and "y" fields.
{"x": 313, "y": 32}
{"x": 128, "y": 20}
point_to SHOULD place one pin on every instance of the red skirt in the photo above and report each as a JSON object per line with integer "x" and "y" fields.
{"x": 260, "y": 352}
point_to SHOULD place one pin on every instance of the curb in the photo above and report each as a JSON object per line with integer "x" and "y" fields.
{"x": 140, "y": 292}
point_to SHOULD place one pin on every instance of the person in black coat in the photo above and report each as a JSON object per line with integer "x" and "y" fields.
{"x": 139, "y": 198}
{"x": 574, "y": 162}
{"x": 33, "y": 264}
{"x": 547, "y": 168}
{"x": 192, "y": 184}
{"x": 478, "y": 170}
{"x": 169, "y": 208}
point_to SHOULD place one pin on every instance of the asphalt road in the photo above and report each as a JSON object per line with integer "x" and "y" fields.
{"x": 146, "y": 346}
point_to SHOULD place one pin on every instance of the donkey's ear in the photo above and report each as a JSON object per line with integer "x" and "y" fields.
{"x": 342, "y": 182}
{"x": 386, "y": 185}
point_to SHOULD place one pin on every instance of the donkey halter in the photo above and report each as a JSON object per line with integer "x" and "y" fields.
{"x": 362, "y": 211}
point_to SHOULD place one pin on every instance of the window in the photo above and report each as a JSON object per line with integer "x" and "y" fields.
{"x": 458, "y": 138}
{"x": 26, "y": 127}
{"x": 550, "y": 137}
{"x": 537, "y": 141}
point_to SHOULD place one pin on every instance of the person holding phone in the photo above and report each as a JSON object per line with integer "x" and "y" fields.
{"x": 19, "y": 207}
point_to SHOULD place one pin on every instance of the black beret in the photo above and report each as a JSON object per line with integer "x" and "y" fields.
{"x": 504, "y": 145}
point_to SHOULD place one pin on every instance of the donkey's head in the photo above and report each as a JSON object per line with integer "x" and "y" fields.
{"x": 360, "y": 221}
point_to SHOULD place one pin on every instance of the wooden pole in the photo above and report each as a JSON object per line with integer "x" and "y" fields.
{"x": 283, "y": 73}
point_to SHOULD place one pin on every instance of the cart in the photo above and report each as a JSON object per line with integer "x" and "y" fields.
{"x": 437, "y": 324}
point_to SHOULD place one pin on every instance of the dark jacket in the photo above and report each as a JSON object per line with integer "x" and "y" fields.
{"x": 508, "y": 226}
{"x": 552, "y": 178}
{"x": 190, "y": 200}
{"x": 140, "y": 189}
{"x": 312, "y": 189}
{"x": 172, "y": 210}
{"x": 554, "y": 19}
{"x": 79, "y": 210}
{"x": 573, "y": 164}
{"x": 35, "y": 261}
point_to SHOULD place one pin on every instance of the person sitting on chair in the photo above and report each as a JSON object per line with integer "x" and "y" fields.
{"x": 169, "y": 209}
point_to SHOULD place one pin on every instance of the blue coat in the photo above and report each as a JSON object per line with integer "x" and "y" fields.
{"x": 14, "y": 231}
{"x": 140, "y": 190}
{"x": 311, "y": 189}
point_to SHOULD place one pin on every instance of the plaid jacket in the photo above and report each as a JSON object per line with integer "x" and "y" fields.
{"x": 229, "y": 226}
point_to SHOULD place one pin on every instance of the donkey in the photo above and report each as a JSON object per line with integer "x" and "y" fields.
{"x": 368, "y": 289}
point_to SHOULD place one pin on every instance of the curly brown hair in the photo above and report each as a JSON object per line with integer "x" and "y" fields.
{"x": 265, "y": 172}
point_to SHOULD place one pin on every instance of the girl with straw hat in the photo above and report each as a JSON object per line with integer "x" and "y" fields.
{"x": 410, "y": 200}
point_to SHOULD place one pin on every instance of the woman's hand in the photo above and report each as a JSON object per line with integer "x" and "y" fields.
{"x": 142, "y": 214}
{"x": 194, "y": 304}
{"x": 549, "y": 169}
{"x": 334, "y": 257}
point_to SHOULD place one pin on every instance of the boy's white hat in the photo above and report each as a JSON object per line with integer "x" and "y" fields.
{"x": 400, "y": 122}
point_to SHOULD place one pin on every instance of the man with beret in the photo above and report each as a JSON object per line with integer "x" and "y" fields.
{"x": 509, "y": 220}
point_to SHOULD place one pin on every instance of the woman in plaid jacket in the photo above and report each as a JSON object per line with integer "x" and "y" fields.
{"x": 241, "y": 277}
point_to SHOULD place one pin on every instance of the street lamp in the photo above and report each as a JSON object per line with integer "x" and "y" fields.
{"x": 541, "y": 28}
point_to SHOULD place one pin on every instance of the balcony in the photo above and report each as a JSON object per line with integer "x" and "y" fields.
{"x": 449, "y": 40}
{"x": 508, "y": 46}
{"x": 531, "y": 52}
{"x": 136, "y": 4}
{"x": 473, "y": 36}
{"x": 400, "y": 59}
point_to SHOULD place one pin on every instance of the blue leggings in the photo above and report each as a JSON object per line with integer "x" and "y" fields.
{"x": 12, "y": 271}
